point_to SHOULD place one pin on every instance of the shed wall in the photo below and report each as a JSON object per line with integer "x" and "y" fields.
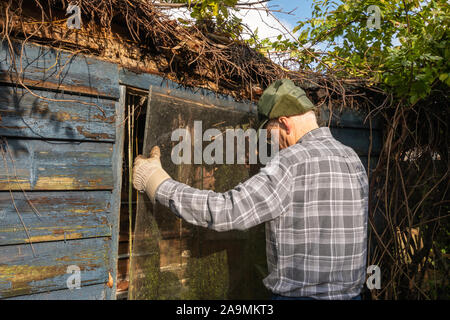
{"x": 58, "y": 173}
{"x": 61, "y": 167}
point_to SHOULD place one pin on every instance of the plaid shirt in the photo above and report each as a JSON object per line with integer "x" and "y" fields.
{"x": 313, "y": 197}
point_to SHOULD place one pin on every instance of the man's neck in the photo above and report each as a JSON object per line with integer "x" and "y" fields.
{"x": 304, "y": 129}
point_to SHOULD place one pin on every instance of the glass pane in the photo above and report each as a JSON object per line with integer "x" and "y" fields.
{"x": 172, "y": 259}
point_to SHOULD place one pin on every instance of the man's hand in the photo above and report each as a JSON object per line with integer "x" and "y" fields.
{"x": 148, "y": 173}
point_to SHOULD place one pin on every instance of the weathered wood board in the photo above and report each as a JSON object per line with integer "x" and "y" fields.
{"x": 373, "y": 162}
{"x": 22, "y": 273}
{"x": 53, "y": 165}
{"x": 94, "y": 292}
{"x": 61, "y": 152}
{"x": 25, "y": 115}
{"x": 204, "y": 96}
{"x": 359, "y": 140}
{"x": 54, "y": 69}
{"x": 118, "y": 176}
{"x": 63, "y": 216}
{"x": 348, "y": 118}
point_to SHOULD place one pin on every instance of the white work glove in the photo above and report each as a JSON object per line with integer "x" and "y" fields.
{"x": 148, "y": 173}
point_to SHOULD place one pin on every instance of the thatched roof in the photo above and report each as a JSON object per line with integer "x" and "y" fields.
{"x": 139, "y": 36}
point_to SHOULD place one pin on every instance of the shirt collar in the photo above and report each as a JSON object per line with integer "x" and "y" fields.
{"x": 316, "y": 134}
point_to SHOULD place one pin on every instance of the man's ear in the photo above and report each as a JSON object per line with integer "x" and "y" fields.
{"x": 285, "y": 124}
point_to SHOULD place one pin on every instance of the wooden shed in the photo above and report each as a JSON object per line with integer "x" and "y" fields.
{"x": 64, "y": 169}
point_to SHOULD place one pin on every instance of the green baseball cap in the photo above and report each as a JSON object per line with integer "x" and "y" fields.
{"x": 282, "y": 98}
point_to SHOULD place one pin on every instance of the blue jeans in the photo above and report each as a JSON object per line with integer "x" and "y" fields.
{"x": 278, "y": 297}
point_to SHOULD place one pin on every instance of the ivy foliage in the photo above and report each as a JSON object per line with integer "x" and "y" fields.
{"x": 402, "y": 44}
{"x": 217, "y": 14}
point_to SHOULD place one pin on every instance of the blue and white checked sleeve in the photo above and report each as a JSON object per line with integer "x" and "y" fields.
{"x": 261, "y": 198}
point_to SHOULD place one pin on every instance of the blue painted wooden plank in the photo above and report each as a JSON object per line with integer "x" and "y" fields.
{"x": 94, "y": 292}
{"x": 25, "y": 115}
{"x": 373, "y": 162}
{"x": 117, "y": 162}
{"x": 22, "y": 273}
{"x": 359, "y": 139}
{"x": 63, "y": 215}
{"x": 56, "y": 69}
{"x": 56, "y": 165}
{"x": 348, "y": 118}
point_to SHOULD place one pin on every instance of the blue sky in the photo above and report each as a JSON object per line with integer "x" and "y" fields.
{"x": 267, "y": 26}
{"x": 302, "y": 12}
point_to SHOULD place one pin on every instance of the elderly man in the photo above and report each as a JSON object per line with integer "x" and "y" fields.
{"x": 313, "y": 198}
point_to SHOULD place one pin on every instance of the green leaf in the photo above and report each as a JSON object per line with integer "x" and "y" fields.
{"x": 303, "y": 36}
{"x": 447, "y": 81}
